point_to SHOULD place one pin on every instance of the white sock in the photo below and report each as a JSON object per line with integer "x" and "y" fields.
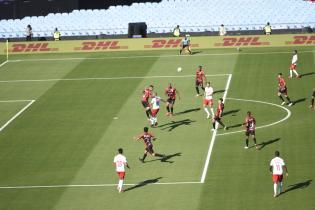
{"x": 152, "y": 120}
{"x": 120, "y": 184}
{"x": 275, "y": 186}
{"x": 206, "y": 110}
{"x": 290, "y": 73}
{"x": 212, "y": 112}
{"x": 155, "y": 120}
{"x": 295, "y": 73}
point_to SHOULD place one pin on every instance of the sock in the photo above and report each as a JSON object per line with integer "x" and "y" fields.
{"x": 290, "y": 73}
{"x": 288, "y": 99}
{"x": 120, "y": 184}
{"x": 152, "y": 120}
{"x": 197, "y": 90}
{"x": 275, "y": 186}
{"x": 213, "y": 125}
{"x": 155, "y": 120}
{"x": 280, "y": 187}
{"x": 144, "y": 156}
{"x": 147, "y": 112}
{"x": 172, "y": 109}
{"x": 203, "y": 88}
{"x": 246, "y": 142}
{"x": 206, "y": 110}
{"x": 281, "y": 98}
{"x": 212, "y": 112}
{"x": 168, "y": 109}
{"x": 312, "y": 102}
{"x": 294, "y": 71}
{"x": 255, "y": 141}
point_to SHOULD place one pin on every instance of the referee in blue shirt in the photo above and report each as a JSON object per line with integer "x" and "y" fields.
{"x": 185, "y": 44}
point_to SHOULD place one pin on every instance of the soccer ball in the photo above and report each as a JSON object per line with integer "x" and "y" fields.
{"x": 179, "y": 69}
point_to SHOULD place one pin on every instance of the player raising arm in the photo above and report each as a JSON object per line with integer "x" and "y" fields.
{"x": 283, "y": 90}
{"x": 120, "y": 162}
{"x": 293, "y": 65}
{"x": 147, "y": 139}
{"x": 277, "y": 167}
{"x": 199, "y": 80}
{"x": 218, "y": 115}
{"x": 171, "y": 93}
{"x": 250, "y": 125}
{"x": 208, "y": 100}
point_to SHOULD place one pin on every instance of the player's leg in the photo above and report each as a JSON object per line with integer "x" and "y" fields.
{"x": 275, "y": 189}
{"x": 189, "y": 49}
{"x": 197, "y": 88}
{"x": 281, "y": 98}
{"x": 254, "y": 139}
{"x": 222, "y": 124}
{"x": 211, "y": 107}
{"x": 144, "y": 156}
{"x": 291, "y": 73}
{"x": 202, "y": 87}
{"x": 246, "y": 140}
{"x": 181, "y": 49}
{"x": 205, "y": 103}
{"x": 312, "y": 102}
{"x": 288, "y": 99}
{"x": 172, "y": 106}
{"x": 121, "y": 181}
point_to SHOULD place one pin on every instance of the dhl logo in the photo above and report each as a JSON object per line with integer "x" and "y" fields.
{"x": 298, "y": 40}
{"x": 167, "y": 43}
{"x": 32, "y": 47}
{"x": 241, "y": 41}
{"x": 100, "y": 45}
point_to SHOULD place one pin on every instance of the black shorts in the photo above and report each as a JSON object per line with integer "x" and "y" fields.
{"x": 149, "y": 149}
{"x": 217, "y": 118}
{"x": 199, "y": 83}
{"x": 250, "y": 132}
{"x": 145, "y": 104}
{"x": 313, "y": 94}
{"x": 283, "y": 90}
{"x": 184, "y": 46}
{"x": 171, "y": 101}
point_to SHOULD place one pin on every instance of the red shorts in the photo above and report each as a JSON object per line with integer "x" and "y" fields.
{"x": 207, "y": 102}
{"x": 293, "y": 67}
{"x": 154, "y": 112}
{"x": 277, "y": 178}
{"x": 121, "y": 175}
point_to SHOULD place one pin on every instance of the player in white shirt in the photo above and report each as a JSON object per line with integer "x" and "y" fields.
{"x": 277, "y": 167}
{"x": 208, "y": 100}
{"x": 155, "y": 107}
{"x": 293, "y": 65}
{"x": 120, "y": 163}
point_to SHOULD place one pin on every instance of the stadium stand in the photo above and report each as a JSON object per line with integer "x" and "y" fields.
{"x": 191, "y": 15}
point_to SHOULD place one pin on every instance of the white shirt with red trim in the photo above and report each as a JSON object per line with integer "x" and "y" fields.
{"x": 294, "y": 59}
{"x": 155, "y": 102}
{"x": 277, "y": 164}
{"x": 120, "y": 162}
{"x": 208, "y": 93}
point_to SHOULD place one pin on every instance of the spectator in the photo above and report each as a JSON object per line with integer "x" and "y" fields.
{"x": 222, "y": 30}
{"x": 29, "y": 33}
{"x": 176, "y": 31}
{"x": 267, "y": 29}
{"x": 56, "y": 35}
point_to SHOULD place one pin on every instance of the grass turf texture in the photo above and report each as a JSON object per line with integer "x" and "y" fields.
{"x": 69, "y": 136}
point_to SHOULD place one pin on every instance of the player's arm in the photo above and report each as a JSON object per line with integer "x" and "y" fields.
{"x": 138, "y": 137}
{"x": 152, "y": 137}
{"x": 127, "y": 165}
{"x": 270, "y": 169}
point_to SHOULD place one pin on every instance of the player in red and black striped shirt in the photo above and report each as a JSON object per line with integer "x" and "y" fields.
{"x": 250, "y": 126}
{"x": 146, "y": 94}
{"x": 147, "y": 139}
{"x": 200, "y": 80}
{"x": 171, "y": 93}
{"x": 218, "y": 115}
{"x": 283, "y": 90}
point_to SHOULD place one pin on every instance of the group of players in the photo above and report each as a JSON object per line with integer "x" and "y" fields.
{"x": 151, "y": 104}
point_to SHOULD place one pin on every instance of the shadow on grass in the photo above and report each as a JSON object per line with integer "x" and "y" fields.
{"x": 174, "y": 124}
{"x": 218, "y": 91}
{"x": 187, "y": 111}
{"x": 307, "y": 74}
{"x": 266, "y": 143}
{"x": 196, "y": 52}
{"x": 231, "y": 112}
{"x": 300, "y": 185}
{"x": 299, "y": 100}
{"x": 234, "y": 126}
{"x": 166, "y": 158}
{"x": 144, "y": 183}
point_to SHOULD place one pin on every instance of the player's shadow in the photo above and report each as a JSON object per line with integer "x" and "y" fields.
{"x": 144, "y": 183}
{"x": 266, "y": 143}
{"x": 307, "y": 74}
{"x": 235, "y": 126}
{"x": 218, "y": 91}
{"x": 231, "y": 112}
{"x": 299, "y": 100}
{"x": 174, "y": 124}
{"x": 187, "y": 111}
{"x": 300, "y": 185}
{"x": 166, "y": 158}
{"x": 196, "y": 52}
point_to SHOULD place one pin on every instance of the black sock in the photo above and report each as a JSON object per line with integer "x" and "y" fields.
{"x": 221, "y": 123}
{"x": 172, "y": 109}
{"x": 254, "y": 140}
{"x": 213, "y": 125}
{"x": 144, "y": 156}
{"x": 312, "y": 101}
{"x": 202, "y": 88}
{"x": 147, "y": 112}
{"x": 197, "y": 90}
{"x": 281, "y": 98}
{"x": 168, "y": 109}
{"x": 246, "y": 142}
{"x": 288, "y": 99}
{"x": 180, "y": 52}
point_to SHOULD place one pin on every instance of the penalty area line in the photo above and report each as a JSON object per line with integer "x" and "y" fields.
{"x": 3, "y": 63}
{"x": 214, "y": 134}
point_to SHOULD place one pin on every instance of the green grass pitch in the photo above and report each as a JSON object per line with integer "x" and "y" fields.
{"x": 62, "y": 120}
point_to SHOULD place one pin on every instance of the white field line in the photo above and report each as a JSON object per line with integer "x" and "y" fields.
{"x": 214, "y": 134}
{"x": 107, "y": 78}
{"x": 14, "y": 101}
{"x": 91, "y": 185}
{"x": 16, "y": 115}
{"x": 154, "y": 56}
{"x": 3, "y": 63}
{"x": 263, "y": 126}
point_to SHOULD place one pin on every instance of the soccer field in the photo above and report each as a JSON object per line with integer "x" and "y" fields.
{"x": 63, "y": 117}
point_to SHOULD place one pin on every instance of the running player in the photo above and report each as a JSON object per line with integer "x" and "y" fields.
{"x": 155, "y": 107}
{"x": 185, "y": 45}
{"x": 208, "y": 100}
{"x": 120, "y": 162}
{"x": 200, "y": 79}
{"x": 283, "y": 90}
{"x": 147, "y": 138}
{"x": 277, "y": 167}
{"x": 250, "y": 125}
{"x": 293, "y": 65}
{"x": 171, "y": 93}
{"x": 218, "y": 115}
{"x": 312, "y": 106}
{"x": 146, "y": 94}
